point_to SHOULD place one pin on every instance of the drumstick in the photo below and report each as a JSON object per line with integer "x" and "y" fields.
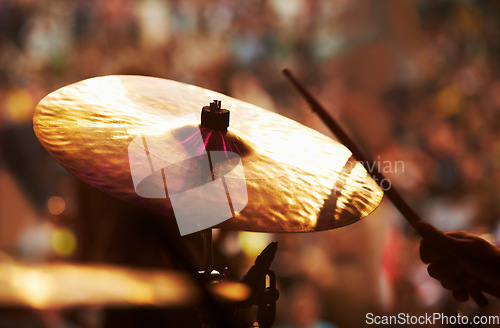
{"x": 389, "y": 190}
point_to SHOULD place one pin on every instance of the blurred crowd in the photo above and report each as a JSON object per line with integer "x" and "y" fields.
{"x": 412, "y": 81}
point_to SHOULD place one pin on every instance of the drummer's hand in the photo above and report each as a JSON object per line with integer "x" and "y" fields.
{"x": 465, "y": 264}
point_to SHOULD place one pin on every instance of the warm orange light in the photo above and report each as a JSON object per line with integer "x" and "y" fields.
{"x": 19, "y": 105}
{"x": 35, "y": 286}
{"x": 229, "y": 291}
{"x": 59, "y": 285}
{"x": 253, "y": 243}
{"x": 56, "y": 205}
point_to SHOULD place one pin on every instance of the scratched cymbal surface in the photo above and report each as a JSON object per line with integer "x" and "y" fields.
{"x": 297, "y": 179}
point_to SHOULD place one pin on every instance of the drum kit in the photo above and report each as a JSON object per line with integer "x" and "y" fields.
{"x": 140, "y": 139}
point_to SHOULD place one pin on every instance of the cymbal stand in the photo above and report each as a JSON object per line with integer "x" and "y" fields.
{"x": 262, "y": 294}
{"x": 209, "y": 276}
{"x": 214, "y": 117}
{"x": 208, "y": 254}
{"x": 267, "y": 302}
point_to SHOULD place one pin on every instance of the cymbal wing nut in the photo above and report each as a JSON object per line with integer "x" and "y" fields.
{"x": 215, "y": 117}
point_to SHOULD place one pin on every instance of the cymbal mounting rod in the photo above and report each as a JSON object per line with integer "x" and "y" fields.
{"x": 215, "y": 106}
{"x": 391, "y": 192}
{"x": 208, "y": 251}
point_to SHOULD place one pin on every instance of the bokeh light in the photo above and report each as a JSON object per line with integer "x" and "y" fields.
{"x": 63, "y": 242}
{"x": 253, "y": 243}
{"x": 56, "y": 205}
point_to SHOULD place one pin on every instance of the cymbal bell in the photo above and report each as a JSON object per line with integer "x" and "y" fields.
{"x": 295, "y": 179}
{"x": 60, "y": 285}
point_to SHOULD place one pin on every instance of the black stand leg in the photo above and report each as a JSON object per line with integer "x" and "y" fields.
{"x": 208, "y": 251}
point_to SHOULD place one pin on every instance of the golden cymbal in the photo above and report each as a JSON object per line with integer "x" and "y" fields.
{"x": 61, "y": 285}
{"x": 296, "y": 179}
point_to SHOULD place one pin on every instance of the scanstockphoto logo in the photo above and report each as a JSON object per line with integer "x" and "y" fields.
{"x": 205, "y": 188}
